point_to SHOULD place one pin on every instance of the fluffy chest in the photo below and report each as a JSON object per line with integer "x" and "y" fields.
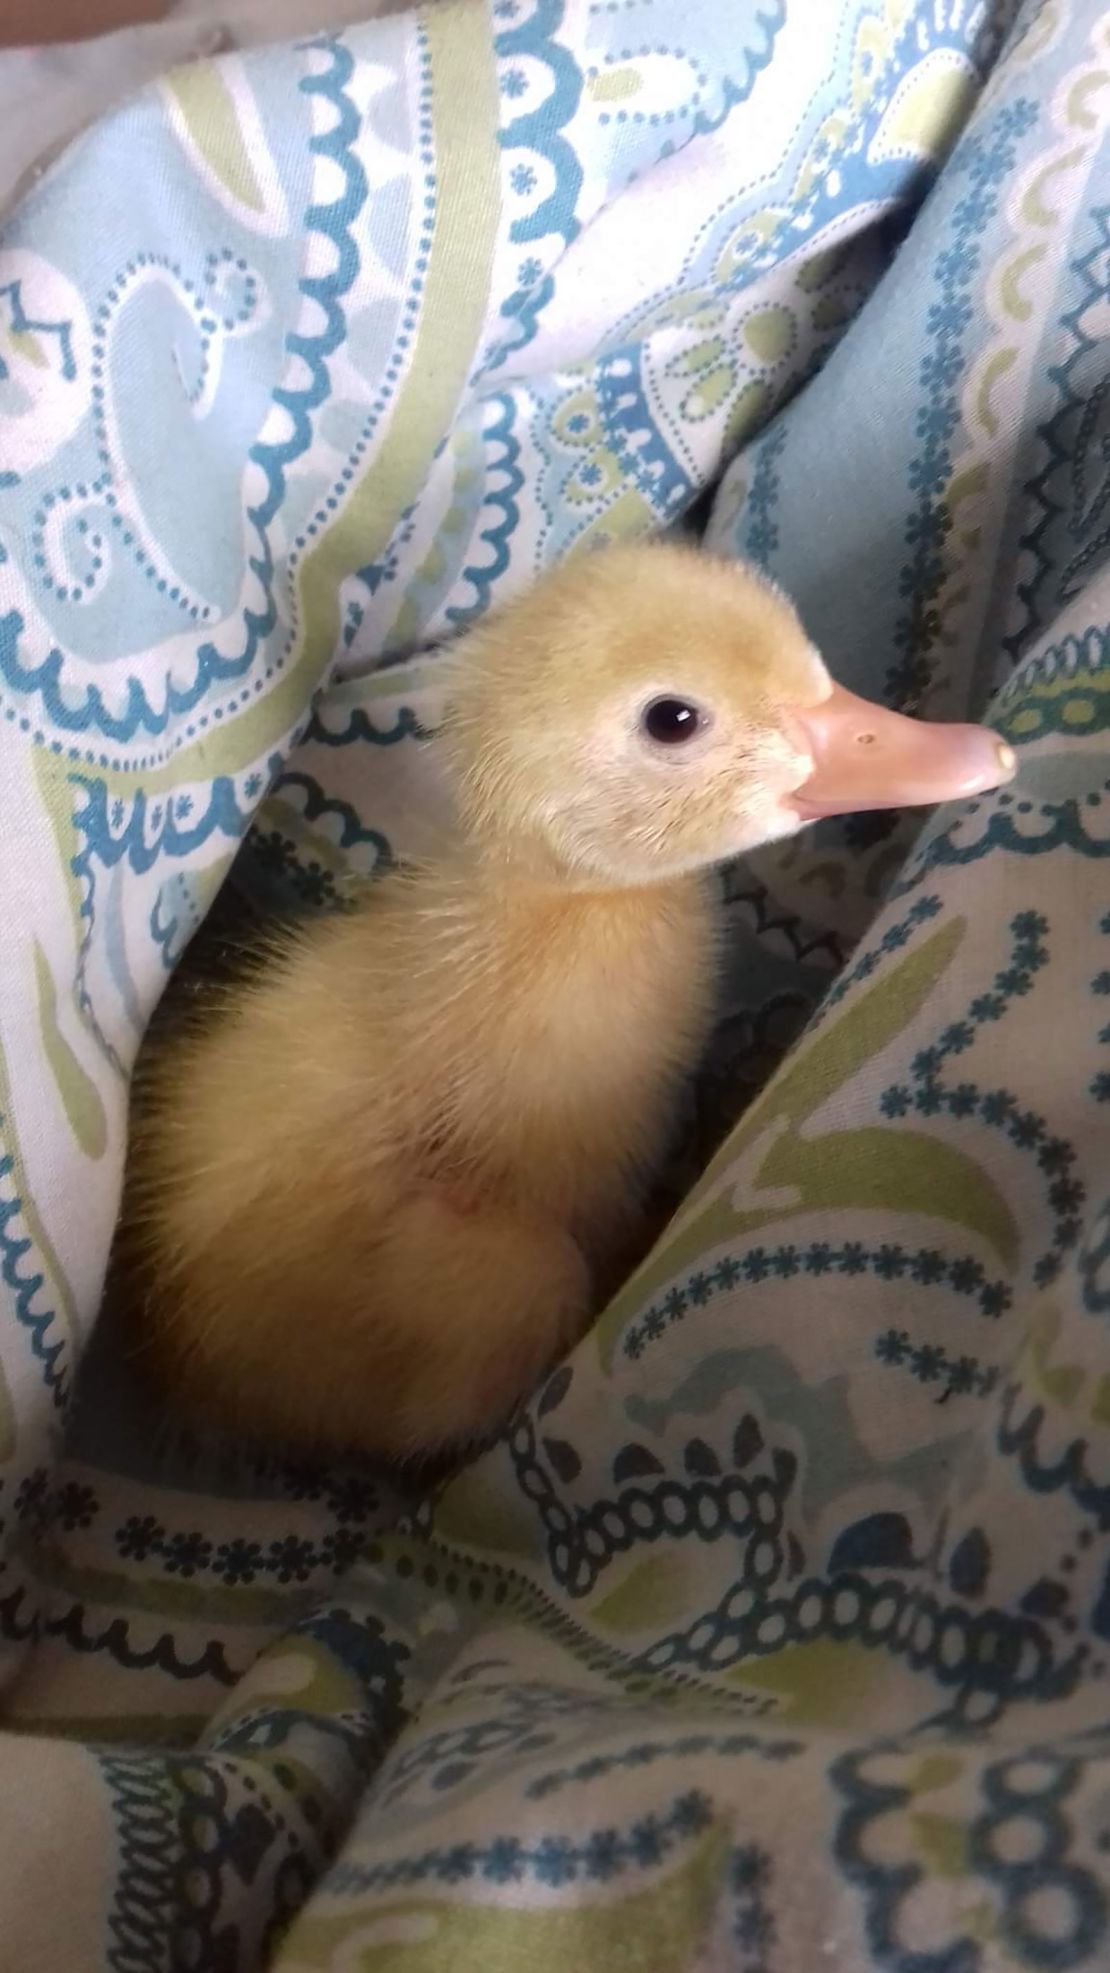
{"x": 567, "y": 1025}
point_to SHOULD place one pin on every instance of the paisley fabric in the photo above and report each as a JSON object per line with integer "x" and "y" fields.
{"x": 775, "y": 1633}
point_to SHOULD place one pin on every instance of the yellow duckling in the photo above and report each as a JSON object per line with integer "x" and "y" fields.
{"x": 377, "y": 1193}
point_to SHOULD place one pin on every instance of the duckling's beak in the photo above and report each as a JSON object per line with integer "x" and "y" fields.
{"x": 867, "y": 757}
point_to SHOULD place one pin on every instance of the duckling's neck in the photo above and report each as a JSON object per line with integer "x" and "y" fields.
{"x": 581, "y": 1008}
{"x": 528, "y": 873}
{"x": 512, "y": 889}
{"x": 591, "y": 937}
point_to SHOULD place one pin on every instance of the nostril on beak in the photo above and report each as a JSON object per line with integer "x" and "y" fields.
{"x": 910, "y": 762}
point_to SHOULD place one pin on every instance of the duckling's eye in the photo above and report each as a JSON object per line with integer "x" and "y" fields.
{"x": 671, "y": 722}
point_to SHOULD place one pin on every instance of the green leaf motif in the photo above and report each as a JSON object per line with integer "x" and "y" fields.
{"x": 770, "y": 333}
{"x": 1060, "y": 1383}
{"x": 653, "y": 1593}
{"x": 615, "y": 85}
{"x": 80, "y": 1098}
{"x": 208, "y": 111}
{"x": 22, "y": 343}
{"x": 663, "y": 1927}
{"x": 46, "y": 1260}
{"x": 887, "y": 1168}
{"x": 943, "y": 1843}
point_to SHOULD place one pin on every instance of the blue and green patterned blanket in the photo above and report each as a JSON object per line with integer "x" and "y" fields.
{"x": 776, "y": 1635}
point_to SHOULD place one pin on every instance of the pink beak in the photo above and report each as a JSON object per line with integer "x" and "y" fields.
{"x": 867, "y": 757}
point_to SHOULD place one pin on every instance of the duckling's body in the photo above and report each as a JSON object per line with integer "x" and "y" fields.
{"x": 395, "y": 1166}
{"x": 383, "y": 1187}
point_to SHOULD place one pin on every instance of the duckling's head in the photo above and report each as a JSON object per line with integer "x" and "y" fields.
{"x": 648, "y": 711}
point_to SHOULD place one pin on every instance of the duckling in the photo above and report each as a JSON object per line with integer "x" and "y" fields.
{"x": 381, "y": 1189}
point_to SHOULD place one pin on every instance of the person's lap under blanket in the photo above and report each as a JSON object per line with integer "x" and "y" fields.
{"x": 775, "y": 1634}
